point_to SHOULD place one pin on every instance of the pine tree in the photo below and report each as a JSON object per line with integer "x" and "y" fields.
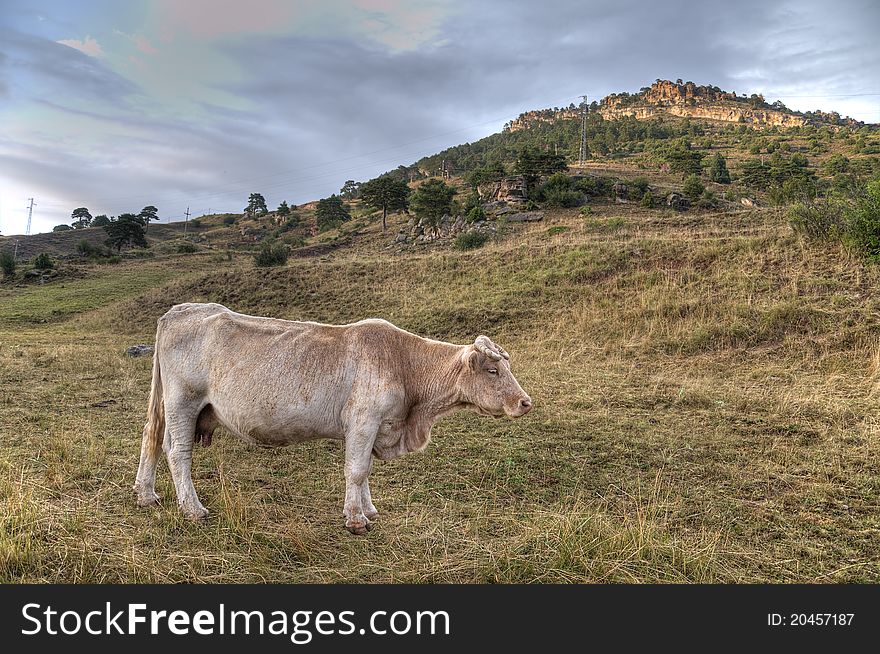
{"x": 718, "y": 172}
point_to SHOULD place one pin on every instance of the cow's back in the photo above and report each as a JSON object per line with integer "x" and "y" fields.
{"x": 269, "y": 380}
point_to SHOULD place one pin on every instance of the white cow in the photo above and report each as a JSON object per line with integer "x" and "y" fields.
{"x": 274, "y": 382}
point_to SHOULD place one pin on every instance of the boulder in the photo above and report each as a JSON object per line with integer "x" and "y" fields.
{"x": 140, "y": 350}
{"x": 526, "y": 217}
{"x": 509, "y": 189}
{"x": 747, "y": 202}
{"x": 678, "y": 202}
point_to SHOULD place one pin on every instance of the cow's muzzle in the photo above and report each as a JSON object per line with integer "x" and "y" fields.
{"x": 522, "y": 408}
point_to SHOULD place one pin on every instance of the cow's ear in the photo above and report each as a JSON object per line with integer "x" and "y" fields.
{"x": 473, "y": 359}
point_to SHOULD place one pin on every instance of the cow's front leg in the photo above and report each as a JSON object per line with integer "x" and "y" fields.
{"x": 366, "y": 499}
{"x": 358, "y": 461}
{"x": 180, "y": 424}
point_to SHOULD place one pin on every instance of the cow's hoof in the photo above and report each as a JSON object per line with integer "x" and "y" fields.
{"x": 358, "y": 527}
{"x": 147, "y": 499}
{"x": 198, "y": 515}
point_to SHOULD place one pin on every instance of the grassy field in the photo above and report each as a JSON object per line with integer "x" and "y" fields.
{"x": 705, "y": 412}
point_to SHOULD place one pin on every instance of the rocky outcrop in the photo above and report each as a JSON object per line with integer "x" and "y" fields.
{"x": 688, "y": 100}
{"x": 421, "y": 231}
{"x": 509, "y": 190}
{"x": 678, "y": 202}
{"x": 724, "y": 112}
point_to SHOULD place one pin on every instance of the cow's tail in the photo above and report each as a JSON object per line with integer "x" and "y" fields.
{"x": 154, "y": 430}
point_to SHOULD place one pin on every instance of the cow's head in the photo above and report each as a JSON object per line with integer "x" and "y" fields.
{"x": 487, "y": 385}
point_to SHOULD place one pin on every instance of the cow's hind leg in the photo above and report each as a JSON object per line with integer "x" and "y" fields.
{"x": 180, "y": 425}
{"x": 145, "y": 484}
{"x": 358, "y": 461}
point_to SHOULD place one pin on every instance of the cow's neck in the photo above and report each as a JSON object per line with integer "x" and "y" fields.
{"x": 436, "y": 389}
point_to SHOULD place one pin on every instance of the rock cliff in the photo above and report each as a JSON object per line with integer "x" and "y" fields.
{"x": 689, "y": 100}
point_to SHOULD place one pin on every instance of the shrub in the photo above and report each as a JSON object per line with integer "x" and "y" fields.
{"x": 693, "y": 188}
{"x": 595, "y": 187}
{"x": 718, "y": 171}
{"x": 186, "y": 248}
{"x": 471, "y": 240}
{"x": 272, "y": 254}
{"x": 7, "y": 264}
{"x": 229, "y": 220}
{"x": 707, "y": 200}
{"x": 476, "y": 214}
{"x": 43, "y": 261}
{"x": 863, "y": 224}
{"x": 195, "y": 223}
{"x": 559, "y": 197}
{"x": 647, "y": 200}
{"x": 85, "y": 248}
{"x": 640, "y": 184}
{"x": 822, "y": 220}
{"x": 557, "y": 229}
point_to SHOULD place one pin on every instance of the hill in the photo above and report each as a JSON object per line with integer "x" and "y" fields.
{"x": 704, "y": 412}
{"x": 704, "y": 379}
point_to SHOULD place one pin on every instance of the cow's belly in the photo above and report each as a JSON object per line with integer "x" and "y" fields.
{"x": 269, "y": 425}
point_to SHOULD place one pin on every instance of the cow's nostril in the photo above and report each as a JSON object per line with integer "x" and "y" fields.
{"x": 525, "y": 404}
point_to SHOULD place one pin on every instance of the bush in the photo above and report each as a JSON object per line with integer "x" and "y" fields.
{"x": 718, "y": 171}
{"x": 471, "y": 240}
{"x": 229, "y": 220}
{"x": 7, "y": 264}
{"x": 863, "y": 224}
{"x": 195, "y": 223}
{"x": 476, "y": 214}
{"x": 186, "y": 248}
{"x": 557, "y": 229}
{"x": 640, "y": 184}
{"x": 85, "y": 248}
{"x": 559, "y": 197}
{"x": 822, "y": 220}
{"x": 595, "y": 187}
{"x": 272, "y": 254}
{"x": 707, "y": 200}
{"x": 647, "y": 200}
{"x": 43, "y": 262}
{"x": 693, "y": 188}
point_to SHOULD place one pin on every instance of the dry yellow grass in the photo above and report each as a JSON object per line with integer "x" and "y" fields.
{"x": 704, "y": 412}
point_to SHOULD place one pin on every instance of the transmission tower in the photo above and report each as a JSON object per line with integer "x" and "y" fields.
{"x": 27, "y": 230}
{"x": 583, "y": 153}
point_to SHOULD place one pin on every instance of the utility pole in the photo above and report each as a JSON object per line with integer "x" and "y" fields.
{"x": 27, "y": 231}
{"x": 583, "y": 153}
{"x": 185, "y": 222}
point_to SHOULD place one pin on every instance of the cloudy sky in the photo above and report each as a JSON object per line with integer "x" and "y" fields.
{"x": 116, "y": 105}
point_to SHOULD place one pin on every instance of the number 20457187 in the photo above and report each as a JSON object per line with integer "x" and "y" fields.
{"x": 810, "y": 619}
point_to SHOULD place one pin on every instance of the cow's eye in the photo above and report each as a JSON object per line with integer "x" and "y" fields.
{"x": 492, "y": 371}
